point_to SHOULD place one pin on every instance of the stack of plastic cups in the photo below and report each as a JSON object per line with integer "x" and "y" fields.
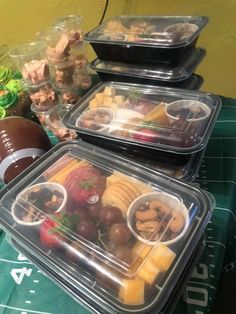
{"x": 61, "y": 64}
{"x": 71, "y": 26}
{"x": 30, "y": 58}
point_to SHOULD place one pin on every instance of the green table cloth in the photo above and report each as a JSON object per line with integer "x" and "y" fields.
{"x": 24, "y": 289}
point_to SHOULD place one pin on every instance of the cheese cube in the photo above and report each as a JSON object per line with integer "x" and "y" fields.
{"x": 93, "y": 104}
{"x": 141, "y": 249}
{"x": 162, "y": 257}
{"x": 99, "y": 98}
{"x": 148, "y": 272}
{"x": 132, "y": 291}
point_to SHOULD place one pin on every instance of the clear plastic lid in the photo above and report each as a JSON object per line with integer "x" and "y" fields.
{"x": 158, "y": 31}
{"x": 150, "y": 117}
{"x": 108, "y": 225}
{"x": 163, "y": 71}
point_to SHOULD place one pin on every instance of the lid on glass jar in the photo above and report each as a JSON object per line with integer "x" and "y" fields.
{"x": 120, "y": 226}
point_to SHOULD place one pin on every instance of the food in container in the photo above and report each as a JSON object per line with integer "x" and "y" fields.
{"x": 71, "y": 26}
{"x": 43, "y": 96}
{"x": 146, "y": 38}
{"x": 82, "y": 78}
{"x": 97, "y": 119}
{"x": 158, "y": 217}
{"x": 62, "y": 74}
{"x": 54, "y": 123}
{"x": 30, "y": 59}
{"x": 180, "y": 75}
{"x": 142, "y": 118}
{"x": 34, "y": 202}
{"x": 68, "y": 95}
{"x": 56, "y": 277}
{"x": 21, "y": 143}
{"x": 90, "y": 243}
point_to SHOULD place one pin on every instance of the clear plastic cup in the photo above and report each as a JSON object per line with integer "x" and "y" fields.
{"x": 41, "y": 115}
{"x": 69, "y": 95}
{"x": 55, "y": 125}
{"x": 71, "y": 25}
{"x": 62, "y": 74}
{"x": 43, "y": 96}
{"x": 30, "y": 58}
{"x": 57, "y": 44}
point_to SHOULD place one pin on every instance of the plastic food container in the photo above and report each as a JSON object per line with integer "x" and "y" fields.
{"x": 179, "y": 75}
{"x": 146, "y": 118}
{"x": 54, "y": 122}
{"x": 90, "y": 244}
{"x": 146, "y": 38}
{"x": 185, "y": 167}
{"x": 73, "y": 291}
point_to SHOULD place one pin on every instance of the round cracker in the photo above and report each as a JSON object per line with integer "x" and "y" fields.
{"x": 130, "y": 185}
{"x": 112, "y": 199}
{"x": 127, "y": 189}
{"x": 123, "y": 192}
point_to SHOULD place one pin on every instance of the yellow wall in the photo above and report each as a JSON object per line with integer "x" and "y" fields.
{"x": 21, "y": 19}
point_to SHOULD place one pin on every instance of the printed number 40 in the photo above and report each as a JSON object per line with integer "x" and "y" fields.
{"x": 18, "y": 274}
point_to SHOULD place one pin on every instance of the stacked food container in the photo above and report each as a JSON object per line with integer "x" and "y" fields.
{"x": 163, "y": 128}
{"x": 118, "y": 237}
{"x": 158, "y": 50}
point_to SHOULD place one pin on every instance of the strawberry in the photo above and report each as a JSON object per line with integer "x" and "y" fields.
{"x": 83, "y": 182}
{"x": 53, "y": 228}
{"x": 146, "y": 135}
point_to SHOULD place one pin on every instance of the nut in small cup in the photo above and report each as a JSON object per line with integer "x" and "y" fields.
{"x": 98, "y": 119}
{"x": 158, "y": 217}
{"x": 28, "y": 208}
{"x": 189, "y": 110}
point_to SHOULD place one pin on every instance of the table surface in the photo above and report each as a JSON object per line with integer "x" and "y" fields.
{"x": 25, "y": 289}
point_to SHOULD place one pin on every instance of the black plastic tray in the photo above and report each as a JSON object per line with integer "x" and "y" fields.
{"x": 180, "y": 75}
{"x": 128, "y": 51}
{"x": 193, "y": 82}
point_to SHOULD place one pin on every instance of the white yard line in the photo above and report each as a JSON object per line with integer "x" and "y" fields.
{"x": 218, "y": 157}
{"x": 14, "y": 262}
{"x": 218, "y": 181}
{"x": 215, "y": 242}
{"x": 202, "y": 283}
{"x": 26, "y": 310}
{"x": 225, "y": 121}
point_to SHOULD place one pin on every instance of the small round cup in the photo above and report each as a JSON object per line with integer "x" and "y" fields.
{"x": 22, "y": 197}
{"x": 30, "y": 58}
{"x": 43, "y": 96}
{"x": 71, "y": 25}
{"x": 41, "y": 115}
{"x": 184, "y": 30}
{"x": 187, "y": 104}
{"x": 171, "y": 201}
{"x": 54, "y": 122}
{"x": 90, "y": 124}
